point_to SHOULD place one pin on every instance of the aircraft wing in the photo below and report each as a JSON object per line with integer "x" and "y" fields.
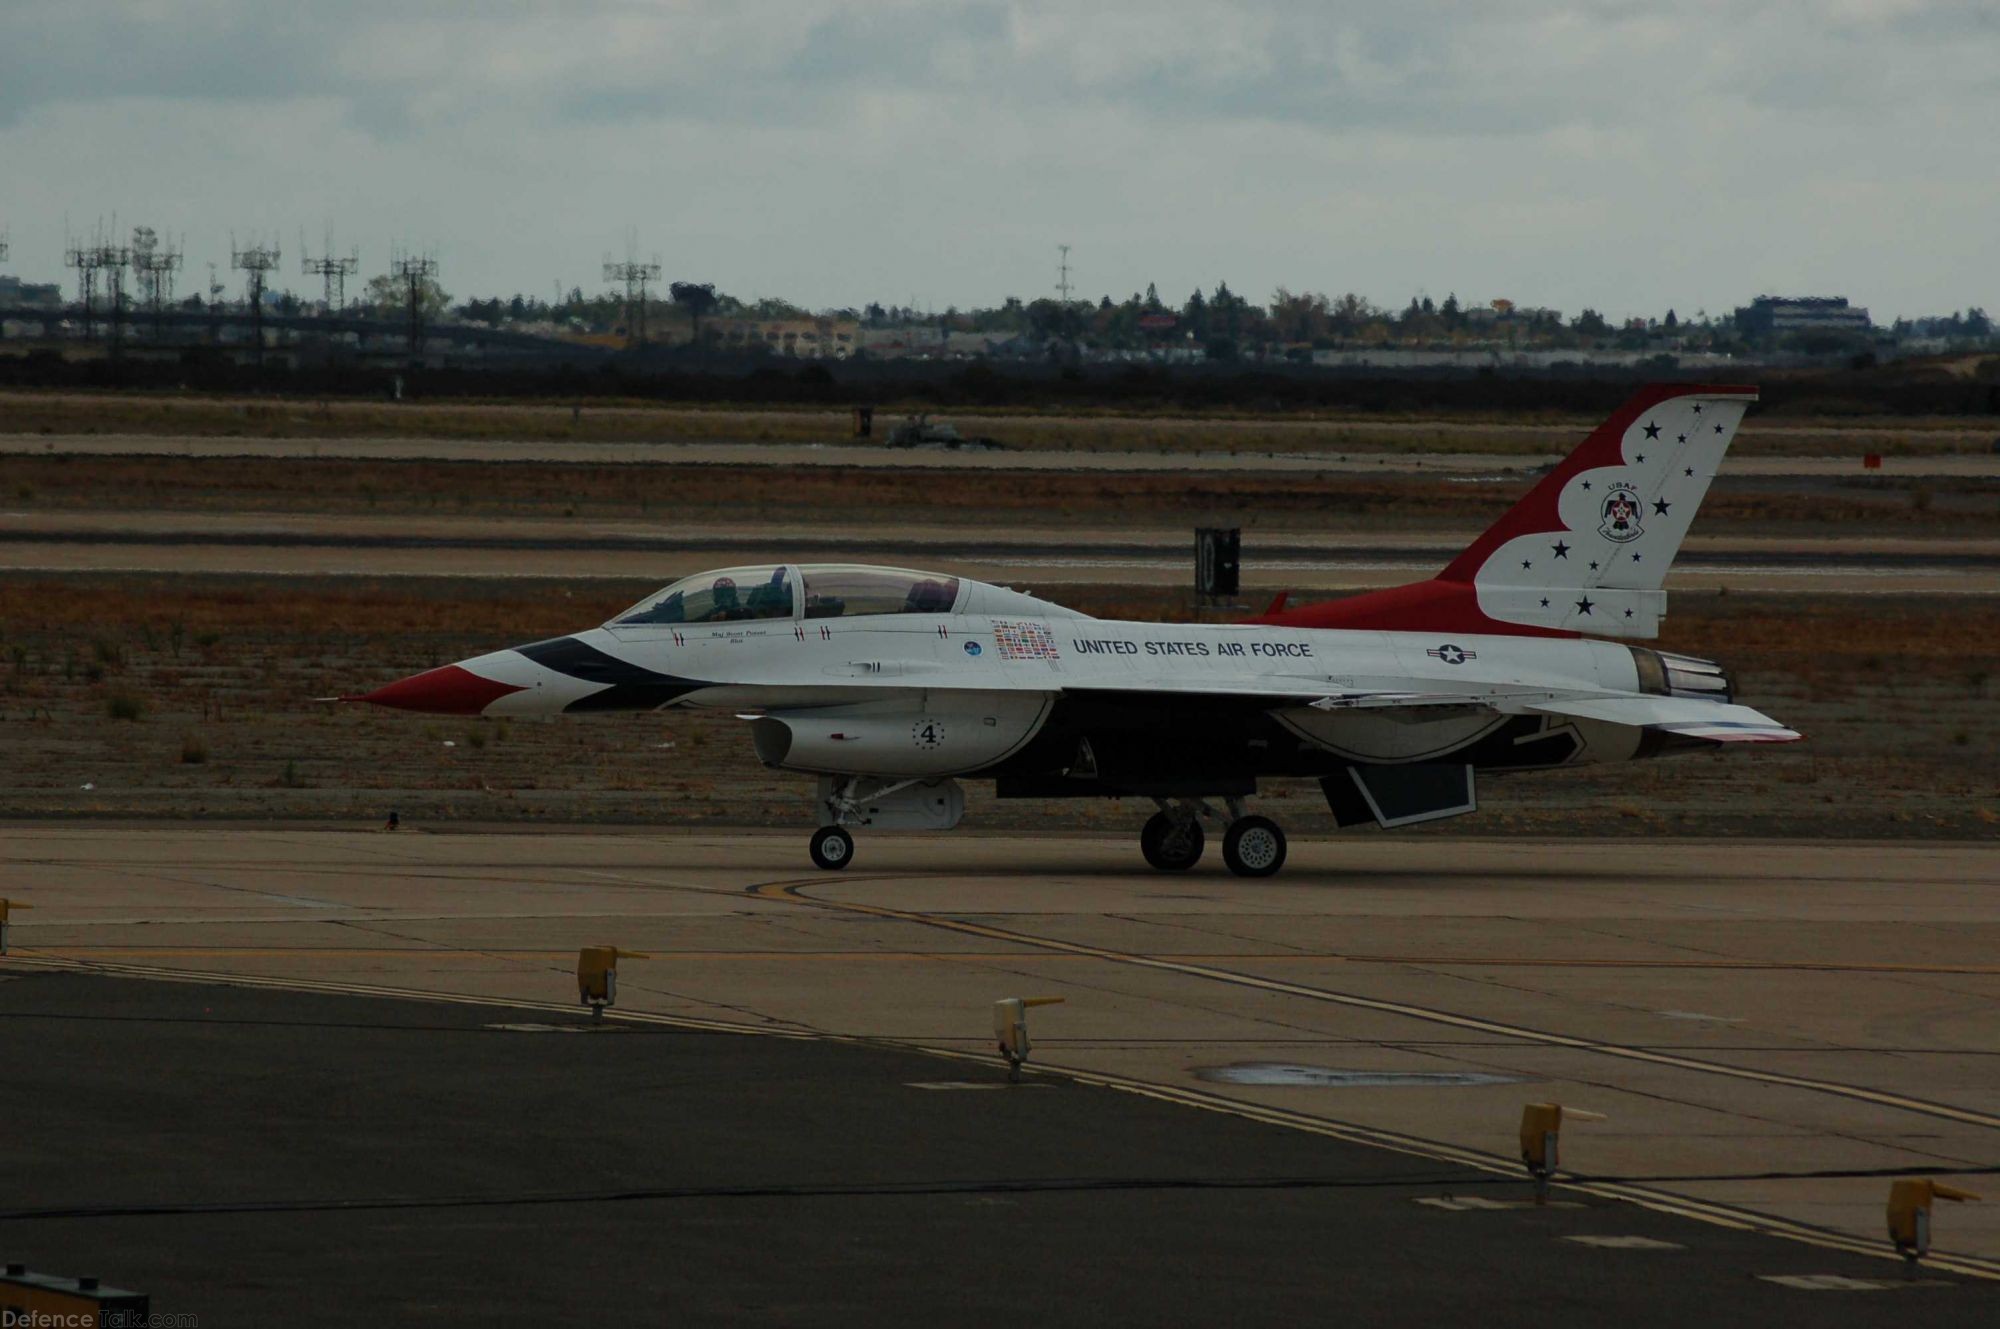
{"x": 1278, "y": 690}
{"x": 1695, "y": 717}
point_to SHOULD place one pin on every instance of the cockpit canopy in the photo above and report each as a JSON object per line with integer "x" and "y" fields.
{"x": 814, "y": 590}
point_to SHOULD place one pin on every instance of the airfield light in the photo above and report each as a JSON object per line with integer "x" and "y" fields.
{"x": 597, "y": 976}
{"x": 31, "y": 1298}
{"x": 5, "y": 906}
{"x": 1910, "y": 1216}
{"x": 1010, "y": 1029}
{"x": 1541, "y": 1131}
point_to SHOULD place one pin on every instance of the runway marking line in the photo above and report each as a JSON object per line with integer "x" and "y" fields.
{"x": 794, "y": 890}
{"x": 1710, "y": 1212}
{"x": 1262, "y": 957}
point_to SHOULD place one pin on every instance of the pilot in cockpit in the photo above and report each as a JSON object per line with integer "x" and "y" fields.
{"x": 726, "y": 605}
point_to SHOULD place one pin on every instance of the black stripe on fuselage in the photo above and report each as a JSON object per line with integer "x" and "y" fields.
{"x": 627, "y": 687}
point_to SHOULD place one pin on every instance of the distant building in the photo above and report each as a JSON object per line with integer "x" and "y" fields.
{"x": 801, "y": 338}
{"x": 18, "y": 294}
{"x": 1392, "y": 357}
{"x": 1777, "y": 315}
{"x": 925, "y": 339}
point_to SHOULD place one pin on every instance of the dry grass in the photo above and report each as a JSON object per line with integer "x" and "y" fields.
{"x": 230, "y": 667}
{"x": 612, "y": 420}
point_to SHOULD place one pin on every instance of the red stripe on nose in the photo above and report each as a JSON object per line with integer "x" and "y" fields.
{"x": 450, "y": 690}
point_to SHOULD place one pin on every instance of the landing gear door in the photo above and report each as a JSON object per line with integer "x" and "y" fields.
{"x": 1405, "y": 795}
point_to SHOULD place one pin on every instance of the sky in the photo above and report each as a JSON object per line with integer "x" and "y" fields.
{"x": 1629, "y": 157}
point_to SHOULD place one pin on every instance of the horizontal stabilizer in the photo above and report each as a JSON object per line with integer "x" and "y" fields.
{"x": 1691, "y": 717}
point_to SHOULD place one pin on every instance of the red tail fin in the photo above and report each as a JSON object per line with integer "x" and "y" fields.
{"x": 1587, "y": 550}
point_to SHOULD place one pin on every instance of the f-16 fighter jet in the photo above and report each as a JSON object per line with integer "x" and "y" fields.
{"x": 891, "y": 686}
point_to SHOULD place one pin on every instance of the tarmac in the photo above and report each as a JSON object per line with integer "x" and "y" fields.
{"x": 1245, "y": 1094}
{"x": 244, "y": 1155}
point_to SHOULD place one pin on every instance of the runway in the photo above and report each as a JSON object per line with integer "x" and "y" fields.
{"x": 1773, "y": 1029}
{"x": 319, "y": 545}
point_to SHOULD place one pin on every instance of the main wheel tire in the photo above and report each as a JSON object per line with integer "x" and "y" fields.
{"x": 1172, "y": 846}
{"x": 1253, "y": 847}
{"x": 832, "y": 848}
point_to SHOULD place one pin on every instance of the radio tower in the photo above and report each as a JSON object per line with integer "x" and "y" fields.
{"x": 417, "y": 273}
{"x": 155, "y": 267}
{"x": 84, "y": 258}
{"x": 113, "y": 260}
{"x": 335, "y": 269}
{"x": 636, "y": 276}
{"x": 256, "y": 263}
{"x": 1065, "y": 316}
{"x": 215, "y": 289}
{"x": 90, "y": 260}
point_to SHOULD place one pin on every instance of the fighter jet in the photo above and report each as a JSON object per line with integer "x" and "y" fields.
{"x": 891, "y": 686}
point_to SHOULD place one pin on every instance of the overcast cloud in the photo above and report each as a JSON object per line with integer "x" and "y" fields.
{"x": 1623, "y": 155}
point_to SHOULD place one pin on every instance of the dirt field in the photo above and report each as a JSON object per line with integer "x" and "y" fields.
{"x": 611, "y": 420}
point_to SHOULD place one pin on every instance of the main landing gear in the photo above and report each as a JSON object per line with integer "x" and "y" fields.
{"x": 1173, "y": 840}
{"x": 1170, "y": 843}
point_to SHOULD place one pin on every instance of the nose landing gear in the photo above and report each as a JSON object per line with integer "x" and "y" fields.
{"x": 1172, "y": 839}
{"x": 832, "y": 848}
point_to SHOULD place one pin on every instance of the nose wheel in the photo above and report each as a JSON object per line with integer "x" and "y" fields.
{"x": 1253, "y": 847}
{"x": 832, "y": 848}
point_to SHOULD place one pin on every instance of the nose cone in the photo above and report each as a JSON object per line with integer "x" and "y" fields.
{"x": 451, "y": 690}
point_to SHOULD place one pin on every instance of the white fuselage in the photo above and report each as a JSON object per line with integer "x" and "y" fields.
{"x": 859, "y": 692}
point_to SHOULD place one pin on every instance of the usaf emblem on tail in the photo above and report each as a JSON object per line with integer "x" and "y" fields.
{"x": 1621, "y": 515}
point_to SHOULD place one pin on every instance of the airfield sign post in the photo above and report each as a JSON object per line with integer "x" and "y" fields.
{"x": 1218, "y": 556}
